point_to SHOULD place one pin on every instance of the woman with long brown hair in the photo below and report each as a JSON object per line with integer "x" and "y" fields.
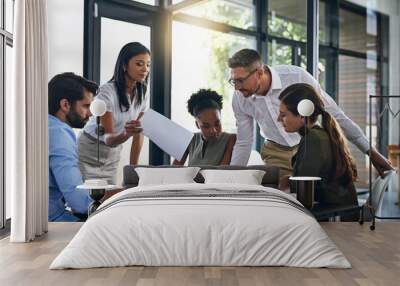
{"x": 323, "y": 150}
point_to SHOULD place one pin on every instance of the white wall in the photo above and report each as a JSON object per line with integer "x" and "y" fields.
{"x": 65, "y": 31}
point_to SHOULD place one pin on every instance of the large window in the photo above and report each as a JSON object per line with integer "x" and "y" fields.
{"x": 360, "y": 73}
{"x": 353, "y": 99}
{"x": 204, "y": 36}
{"x": 6, "y": 43}
{"x": 199, "y": 60}
{"x": 288, "y": 19}
{"x": 240, "y": 14}
{"x": 287, "y": 32}
{"x": 352, "y": 67}
{"x": 358, "y": 30}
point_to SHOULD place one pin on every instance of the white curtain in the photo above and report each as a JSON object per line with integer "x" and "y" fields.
{"x": 26, "y": 126}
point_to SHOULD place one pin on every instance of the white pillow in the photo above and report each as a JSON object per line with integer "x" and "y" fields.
{"x": 166, "y": 176}
{"x": 248, "y": 177}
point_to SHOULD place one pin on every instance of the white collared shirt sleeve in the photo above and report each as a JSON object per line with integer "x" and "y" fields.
{"x": 350, "y": 129}
{"x": 244, "y": 137}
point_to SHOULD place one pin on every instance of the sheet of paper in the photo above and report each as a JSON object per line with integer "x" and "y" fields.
{"x": 172, "y": 138}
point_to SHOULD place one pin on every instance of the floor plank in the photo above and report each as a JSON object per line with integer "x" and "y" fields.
{"x": 374, "y": 255}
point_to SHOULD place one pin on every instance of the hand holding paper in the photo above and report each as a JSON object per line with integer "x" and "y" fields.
{"x": 133, "y": 127}
{"x": 168, "y": 135}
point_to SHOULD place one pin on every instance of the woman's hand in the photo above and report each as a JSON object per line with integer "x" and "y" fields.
{"x": 133, "y": 127}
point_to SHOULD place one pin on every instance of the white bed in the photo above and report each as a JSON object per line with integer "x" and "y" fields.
{"x": 221, "y": 225}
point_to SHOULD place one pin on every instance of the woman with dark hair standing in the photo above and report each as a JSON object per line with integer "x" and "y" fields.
{"x": 323, "y": 150}
{"x": 126, "y": 100}
{"x": 210, "y": 146}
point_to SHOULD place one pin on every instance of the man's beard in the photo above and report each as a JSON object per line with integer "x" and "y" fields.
{"x": 248, "y": 93}
{"x": 74, "y": 120}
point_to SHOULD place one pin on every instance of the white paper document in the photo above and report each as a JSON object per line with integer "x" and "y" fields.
{"x": 172, "y": 138}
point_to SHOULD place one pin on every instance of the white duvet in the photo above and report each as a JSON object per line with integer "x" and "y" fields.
{"x": 207, "y": 230}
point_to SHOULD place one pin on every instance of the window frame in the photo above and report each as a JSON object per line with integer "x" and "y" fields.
{"x": 6, "y": 39}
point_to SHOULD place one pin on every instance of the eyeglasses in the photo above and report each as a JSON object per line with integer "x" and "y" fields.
{"x": 240, "y": 81}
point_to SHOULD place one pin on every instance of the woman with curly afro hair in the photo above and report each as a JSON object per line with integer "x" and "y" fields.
{"x": 210, "y": 146}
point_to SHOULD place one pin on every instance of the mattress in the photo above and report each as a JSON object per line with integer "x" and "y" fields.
{"x": 201, "y": 225}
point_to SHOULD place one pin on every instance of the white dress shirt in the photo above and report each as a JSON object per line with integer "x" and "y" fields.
{"x": 108, "y": 93}
{"x": 265, "y": 110}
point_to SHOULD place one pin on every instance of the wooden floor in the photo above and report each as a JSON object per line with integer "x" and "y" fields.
{"x": 375, "y": 256}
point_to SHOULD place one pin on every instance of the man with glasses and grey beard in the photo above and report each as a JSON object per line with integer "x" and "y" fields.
{"x": 256, "y": 97}
{"x": 70, "y": 96}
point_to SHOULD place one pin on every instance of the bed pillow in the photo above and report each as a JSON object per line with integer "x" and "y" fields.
{"x": 166, "y": 176}
{"x": 247, "y": 177}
